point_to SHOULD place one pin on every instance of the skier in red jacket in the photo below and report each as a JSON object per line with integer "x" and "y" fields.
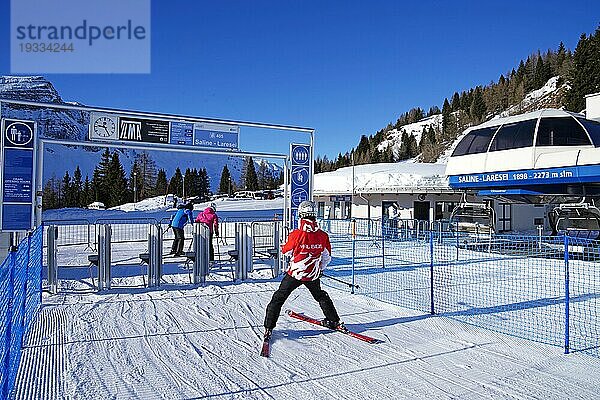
{"x": 311, "y": 252}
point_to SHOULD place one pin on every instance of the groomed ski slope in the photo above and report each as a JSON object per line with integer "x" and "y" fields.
{"x": 185, "y": 342}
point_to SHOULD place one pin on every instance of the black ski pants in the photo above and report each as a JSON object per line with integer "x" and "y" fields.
{"x": 287, "y": 286}
{"x": 178, "y": 242}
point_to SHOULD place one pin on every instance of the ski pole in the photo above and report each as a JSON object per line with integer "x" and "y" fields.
{"x": 339, "y": 280}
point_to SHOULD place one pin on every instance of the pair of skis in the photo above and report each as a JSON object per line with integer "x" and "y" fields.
{"x": 266, "y": 345}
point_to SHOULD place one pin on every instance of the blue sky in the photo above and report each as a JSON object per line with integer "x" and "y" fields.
{"x": 345, "y": 68}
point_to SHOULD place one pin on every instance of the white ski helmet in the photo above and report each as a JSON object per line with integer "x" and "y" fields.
{"x": 213, "y": 206}
{"x": 307, "y": 209}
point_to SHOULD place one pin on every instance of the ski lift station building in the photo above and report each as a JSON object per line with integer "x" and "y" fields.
{"x": 407, "y": 190}
{"x": 522, "y": 166}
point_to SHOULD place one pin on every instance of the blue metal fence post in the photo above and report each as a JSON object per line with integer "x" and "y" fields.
{"x": 11, "y": 289}
{"x": 457, "y": 241}
{"x": 41, "y": 259}
{"x": 382, "y": 245}
{"x": 353, "y": 252}
{"x": 567, "y": 295}
{"x": 431, "y": 270}
{"x": 25, "y": 287}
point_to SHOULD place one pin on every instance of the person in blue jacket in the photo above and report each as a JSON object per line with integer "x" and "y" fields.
{"x": 182, "y": 216}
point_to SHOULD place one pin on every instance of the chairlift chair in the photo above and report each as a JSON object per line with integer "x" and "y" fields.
{"x": 580, "y": 220}
{"x": 473, "y": 218}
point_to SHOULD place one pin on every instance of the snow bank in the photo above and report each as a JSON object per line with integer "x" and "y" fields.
{"x": 383, "y": 177}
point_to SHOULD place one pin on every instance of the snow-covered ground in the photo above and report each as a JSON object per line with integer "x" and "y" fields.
{"x": 185, "y": 342}
{"x": 181, "y": 341}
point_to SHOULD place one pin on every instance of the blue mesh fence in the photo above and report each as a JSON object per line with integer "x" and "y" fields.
{"x": 545, "y": 289}
{"x": 584, "y": 295}
{"x": 509, "y": 284}
{"x": 20, "y": 299}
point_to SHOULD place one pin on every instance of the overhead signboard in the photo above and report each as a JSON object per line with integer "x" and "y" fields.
{"x": 182, "y": 133}
{"x": 18, "y": 166}
{"x": 112, "y": 127}
{"x": 300, "y": 179}
{"x": 143, "y": 130}
{"x": 216, "y": 135}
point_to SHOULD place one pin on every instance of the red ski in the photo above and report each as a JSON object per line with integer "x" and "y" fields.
{"x": 314, "y": 321}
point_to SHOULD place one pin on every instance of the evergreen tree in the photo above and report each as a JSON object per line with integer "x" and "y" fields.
{"x": 116, "y": 183}
{"x": 375, "y": 156}
{"x": 585, "y": 75}
{"x": 77, "y": 189}
{"x": 262, "y": 175}
{"x": 203, "y": 184}
{"x": 67, "y": 191}
{"x": 250, "y": 179}
{"x": 478, "y": 108}
{"x": 87, "y": 192}
{"x": 197, "y": 187}
{"x": 146, "y": 179}
{"x": 455, "y": 102}
{"x": 433, "y": 110}
{"x": 100, "y": 180}
{"x": 225, "y": 183}
{"x": 51, "y": 198}
{"x": 161, "y": 183}
{"x": 176, "y": 183}
{"x": 448, "y": 126}
{"x": 189, "y": 189}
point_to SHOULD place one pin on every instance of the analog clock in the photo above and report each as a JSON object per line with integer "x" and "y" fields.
{"x": 104, "y": 127}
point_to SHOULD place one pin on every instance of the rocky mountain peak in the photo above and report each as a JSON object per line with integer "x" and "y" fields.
{"x": 30, "y": 88}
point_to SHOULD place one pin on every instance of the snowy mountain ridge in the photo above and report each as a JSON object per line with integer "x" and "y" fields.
{"x": 394, "y": 136}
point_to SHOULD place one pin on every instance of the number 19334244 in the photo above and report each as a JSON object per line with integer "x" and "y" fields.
{"x": 56, "y": 47}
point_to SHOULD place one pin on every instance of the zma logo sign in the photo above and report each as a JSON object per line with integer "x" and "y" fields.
{"x": 19, "y": 134}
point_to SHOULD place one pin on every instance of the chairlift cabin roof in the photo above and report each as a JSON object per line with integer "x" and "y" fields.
{"x": 549, "y": 151}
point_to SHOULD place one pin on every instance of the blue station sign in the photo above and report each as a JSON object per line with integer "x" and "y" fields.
{"x": 300, "y": 179}
{"x": 530, "y": 178}
{"x": 18, "y": 175}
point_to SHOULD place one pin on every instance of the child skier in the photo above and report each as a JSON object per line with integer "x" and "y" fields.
{"x": 210, "y": 218}
{"x": 182, "y": 216}
{"x": 311, "y": 252}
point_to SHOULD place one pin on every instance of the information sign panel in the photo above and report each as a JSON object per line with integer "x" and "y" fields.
{"x": 18, "y": 166}
{"x": 216, "y": 135}
{"x": 300, "y": 179}
{"x": 182, "y": 133}
{"x": 143, "y": 130}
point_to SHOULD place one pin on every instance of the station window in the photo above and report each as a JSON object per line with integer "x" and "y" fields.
{"x": 593, "y": 128}
{"x": 476, "y": 141}
{"x": 564, "y": 131}
{"x": 337, "y": 210}
{"x": 348, "y": 209}
{"x": 320, "y": 209}
{"x": 514, "y": 135}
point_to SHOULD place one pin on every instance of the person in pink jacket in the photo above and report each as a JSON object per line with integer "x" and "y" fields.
{"x": 210, "y": 218}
